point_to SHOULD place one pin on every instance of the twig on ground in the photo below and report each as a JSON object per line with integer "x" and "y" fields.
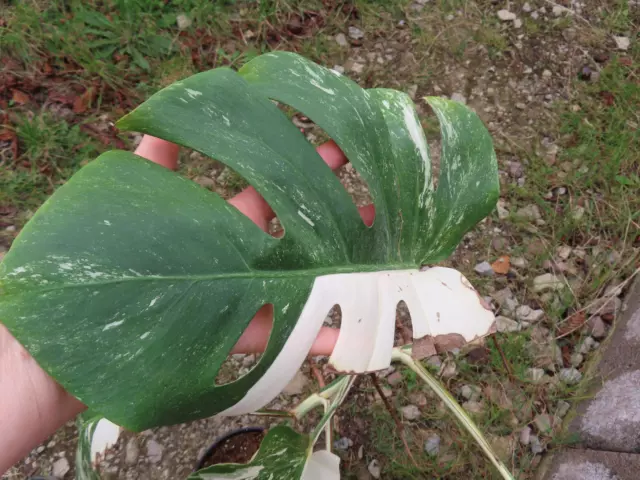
{"x": 505, "y": 362}
{"x": 394, "y": 415}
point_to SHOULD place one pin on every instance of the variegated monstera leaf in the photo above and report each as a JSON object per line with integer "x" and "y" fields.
{"x": 131, "y": 284}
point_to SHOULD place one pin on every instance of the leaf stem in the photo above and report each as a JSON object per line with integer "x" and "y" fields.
{"x": 456, "y": 409}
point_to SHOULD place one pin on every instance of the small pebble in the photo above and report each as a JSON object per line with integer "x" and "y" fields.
{"x": 432, "y": 445}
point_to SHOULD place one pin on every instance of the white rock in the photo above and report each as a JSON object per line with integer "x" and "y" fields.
{"x": 547, "y": 281}
{"x": 183, "y": 21}
{"x": 518, "y": 262}
{"x": 61, "y": 467}
{"x": 449, "y": 370}
{"x": 297, "y": 385}
{"x": 557, "y": 10}
{"x": 576, "y": 359}
{"x": 570, "y": 376}
{"x": 597, "y": 328}
{"x": 338, "y": 69}
{"x": 526, "y": 8}
{"x": 605, "y": 306}
{"x": 341, "y": 40}
{"x": 562, "y": 409}
{"x": 507, "y": 301}
{"x": 535, "y": 374}
{"x": 622, "y": 43}
{"x": 356, "y": 33}
{"x": 132, "y": 452}
{"x": 523, "y": 311}
{"x": 473, "y": 407}
{"x": 411, "y": 412}
{"x": 484, "y": 269}
{"x": 432, "y": 445}
{"x": 504, "y": 324}
{"x": 577, "y": 213}
{"x": 357, "y": 67}
{"x": 517, "y": 23}
{"x": 564, "y": 251}
{"x": 525, "y": 436}
{"x": 506, "y": 15}
{"x": 503, "y": 213}
{"x": 458, "y": 97}
{"x": 587, "y": 345}
{"x": 374, "y": 468}
{"x": 546, "y": 74}
{"x": 412, "y": 90}
{"x": 535, "y": 15}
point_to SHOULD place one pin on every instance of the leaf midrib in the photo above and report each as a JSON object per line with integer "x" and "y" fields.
{"x": 251, "y": 275}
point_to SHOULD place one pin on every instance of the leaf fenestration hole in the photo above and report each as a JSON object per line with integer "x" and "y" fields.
{"x": 350, "y": 179}
{"x": 247, "y": 352}
{"x": 226, "y": 182}
{"x": 404, "y": 329}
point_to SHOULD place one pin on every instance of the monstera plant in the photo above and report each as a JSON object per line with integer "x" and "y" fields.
{"x": 135, "y": 278}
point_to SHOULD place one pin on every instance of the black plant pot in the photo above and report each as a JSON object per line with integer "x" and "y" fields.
{"x": 215, "y": 453}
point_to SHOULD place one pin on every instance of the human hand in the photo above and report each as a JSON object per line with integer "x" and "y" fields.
{"x": 250, "y": 203}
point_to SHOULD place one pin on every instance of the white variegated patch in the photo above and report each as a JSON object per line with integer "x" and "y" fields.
{"x": 104, "y": 437}
{"x": 322, "y": 465}
{"x": 441, "y": 301}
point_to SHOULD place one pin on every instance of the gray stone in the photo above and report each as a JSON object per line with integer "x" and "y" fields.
{"x": 613, "y": 416}
{"x": 558, "y": 10}
{"x": 411, "y": 412}
{"x": 356, "y": 33}
{"x": 525, "y": 436}
{"x": 434, "y": 362}
{"x": 341, "y": 39}
{"x": 343, "y": 443}
{"x": 530, "y": 212}
{"x": 450, "y": 370}
{"x": 536, "y": 446}
{"x": 154, "y": 451}
{"x": 543, "y": 423}
{"x": 484, "y": 269}
{"x": 470, "y": 392}
{"x": 458, "y": 97}
{"x": 412, "y": 90}
{"x": 297, "y": 385}
{"x": 597, "y": 327}
{"x": 506, "y": 299}
{"x": 546, "y": 73}
{"x": 394, "y": 379}
{"x": 506, "y": 15}
{"x": 576, "y": 359}
{"x": 473, "y": 407}
{"x": 535, "y": 15}
{"x": 578, "y": 464}
{"x": 517, "y": 23}
{"x": 547, "y": 281}
{"x": 562, "y": 408}
{"x": 132, "y": 452}
{"x": 505, "y": 324}
{"x": 374, "y": 468}
{"x": 183, "y": 21}
{"x": 587, "y": 345}
{"x": 432, "y": 445}
{"x": 570, "y": 376}
{"x": 61, "y": 467}
{"x": 418, "y": 398}
{"x": 338, "y": 69}
{"x": 526, "y": 8}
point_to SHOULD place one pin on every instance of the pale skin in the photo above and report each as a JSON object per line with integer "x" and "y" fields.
{"x": 33, "y": 406}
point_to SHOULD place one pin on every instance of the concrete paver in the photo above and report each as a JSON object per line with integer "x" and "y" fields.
{"x": 575, "y": 464}
{"x": 611, "y": 419}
